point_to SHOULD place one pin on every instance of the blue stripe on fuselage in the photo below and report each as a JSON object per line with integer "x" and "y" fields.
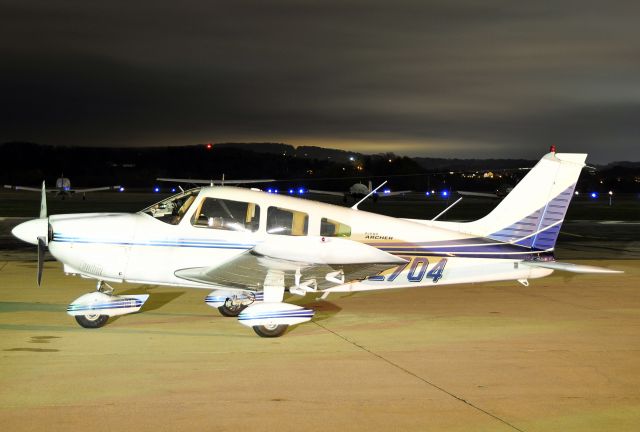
{"x": 217, "y": 244}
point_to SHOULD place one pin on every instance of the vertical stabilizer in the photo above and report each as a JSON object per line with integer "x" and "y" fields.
{"x": 531, "y": 215}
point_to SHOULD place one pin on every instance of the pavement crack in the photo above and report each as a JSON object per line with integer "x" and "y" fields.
{"x": 424, "y": 380}
{"x": 4, "y": 264}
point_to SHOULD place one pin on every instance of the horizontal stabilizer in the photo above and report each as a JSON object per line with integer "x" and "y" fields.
{"x": 573, "y": 268}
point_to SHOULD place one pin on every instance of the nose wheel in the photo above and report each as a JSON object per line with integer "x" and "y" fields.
{"x": 93, "y": 309}
{"x": 92, "y": 321}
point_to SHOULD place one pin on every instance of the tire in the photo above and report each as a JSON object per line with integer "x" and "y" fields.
{"x": 92, "y": 321}
{"x": 270, "y": 331}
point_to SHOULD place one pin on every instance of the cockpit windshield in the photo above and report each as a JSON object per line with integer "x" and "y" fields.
{"x": 172, "y": 209}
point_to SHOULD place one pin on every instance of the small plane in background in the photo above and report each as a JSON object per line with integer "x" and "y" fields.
{"x": 358, "y": 191}
{"x": 63, "y": 188}
{"x": 250, "y": 246}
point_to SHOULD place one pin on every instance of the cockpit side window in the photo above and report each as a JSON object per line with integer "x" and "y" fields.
{"x": 172, "y": 209}
{"x": 228, "y": 215}
{"x": 287, "y": 222}
{"x": 331, "y": 228}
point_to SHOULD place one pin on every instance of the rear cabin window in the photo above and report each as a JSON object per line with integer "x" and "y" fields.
{"x": 331, "y": 228}
{"x": 287, "y": 222}
{"x": 228, "y": 215}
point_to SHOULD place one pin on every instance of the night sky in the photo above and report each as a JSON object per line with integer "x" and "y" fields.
{"x": 444, "y": 78}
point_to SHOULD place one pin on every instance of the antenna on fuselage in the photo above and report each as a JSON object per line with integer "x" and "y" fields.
{"x": 355, "y": 206}
{"x": 447, "y": 209}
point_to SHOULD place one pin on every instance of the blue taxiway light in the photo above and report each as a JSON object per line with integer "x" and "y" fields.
{"x": 300, "y": 191}
{"x": 269, "y": 191}
{"x": 594, "y": 194}
{"x": 386, "y": 191}
{"x": 445, "y": 193}
{"x": 121, "y": 189}
{"x": 173, "y": 189}
{"x": 427, "y": 193}
{"x": 290, "y": 191}
{"x": 156, "y": 189}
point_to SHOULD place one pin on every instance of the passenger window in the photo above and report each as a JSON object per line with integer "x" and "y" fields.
{"x": 227, "y": 215}
{"x": 287, "y": 222}
{"x": 331, "y": 228}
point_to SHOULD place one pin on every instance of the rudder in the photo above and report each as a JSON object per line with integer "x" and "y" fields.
{"x": 532, "y": 214}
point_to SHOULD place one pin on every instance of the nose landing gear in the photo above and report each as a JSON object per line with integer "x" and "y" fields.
{"x": 93, "y": 310}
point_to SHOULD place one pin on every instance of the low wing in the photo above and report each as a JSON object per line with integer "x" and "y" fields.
{"x": 477, "y": 194}
{"x": 314, "y": 258}
{"x": 322, "y": 192}
{"x": 28, "y": 188}
{"x": 213, "y": 182}
{"x": 51, "y": 190}
{"x": 95, "y": 189}
{"x": 573, "y": 268}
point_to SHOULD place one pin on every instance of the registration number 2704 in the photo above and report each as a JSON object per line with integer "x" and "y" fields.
{"x": 419, "y": 269}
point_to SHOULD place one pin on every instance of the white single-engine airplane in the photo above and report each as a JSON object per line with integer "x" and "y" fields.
{"x": 63, "y": 188}
{"x": 358, "y": 191}
{"x": 250, "y": 246}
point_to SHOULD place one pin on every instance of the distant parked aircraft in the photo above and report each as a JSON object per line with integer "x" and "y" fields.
{"x": 501, "y": 192}
{"x": 63, "y": 188}
{"x": 358, "y": 191}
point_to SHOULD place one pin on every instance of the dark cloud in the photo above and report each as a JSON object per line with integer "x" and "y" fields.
{"x": 446, "y": 78}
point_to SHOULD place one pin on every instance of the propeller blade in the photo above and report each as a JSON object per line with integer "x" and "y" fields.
{"x": 43, "y": 202}
{"x": 41, "y": 248}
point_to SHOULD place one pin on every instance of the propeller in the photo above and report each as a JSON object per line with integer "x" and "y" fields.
{"x": 37, "y": 232}
{"x": 42, "y": 240}
{"x": 42, "y": 245}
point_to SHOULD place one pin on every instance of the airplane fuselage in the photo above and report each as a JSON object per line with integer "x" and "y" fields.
{"x": 141, "y": 248}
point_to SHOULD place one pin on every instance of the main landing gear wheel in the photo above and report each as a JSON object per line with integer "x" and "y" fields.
{"x": 270, "y": 331}
{"x": 230, "y": 309}
{"x": 92, "y": 321}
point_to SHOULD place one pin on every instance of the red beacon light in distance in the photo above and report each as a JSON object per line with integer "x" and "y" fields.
{"x": 209, "y": 146}
{"x": 552, "y": 149}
